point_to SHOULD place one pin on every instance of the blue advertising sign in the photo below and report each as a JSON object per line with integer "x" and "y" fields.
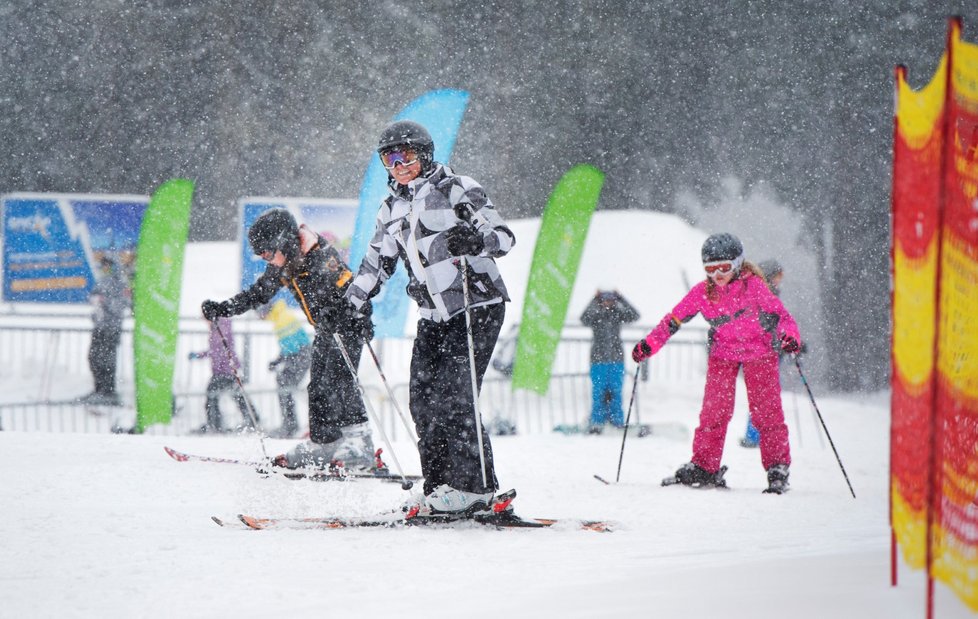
{"x": 53, "y": 242}
{"x": 333, "y": 219}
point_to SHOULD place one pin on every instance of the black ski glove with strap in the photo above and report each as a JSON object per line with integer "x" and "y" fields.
{"x": 215, "y": 309}
{"x": 464, "y": 240}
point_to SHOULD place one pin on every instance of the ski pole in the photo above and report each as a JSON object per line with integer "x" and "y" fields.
{"x": 628, "y": 418}
{"x": 475, "y": 382}
{"x": 827, "y": 435}
{"x": 405, "y": 484}
{"x": 252, "y": 416}
{"x": 390, "y": 394}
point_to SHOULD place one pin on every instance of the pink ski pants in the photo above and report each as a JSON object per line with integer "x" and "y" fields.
{"x": 764, "y": 395}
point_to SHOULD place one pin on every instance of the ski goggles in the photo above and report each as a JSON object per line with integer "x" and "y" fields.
{"x": 394, "y": 158}
{"x": 720, "y": 266}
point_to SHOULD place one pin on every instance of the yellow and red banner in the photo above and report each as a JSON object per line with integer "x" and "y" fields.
{"x": 934, "y": 424}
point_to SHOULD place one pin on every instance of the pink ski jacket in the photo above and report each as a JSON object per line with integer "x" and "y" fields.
{"x": 746, "y": 319}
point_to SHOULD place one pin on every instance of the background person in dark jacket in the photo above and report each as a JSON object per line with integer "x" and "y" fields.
{"x": 605, "y": 315}
{"x": 111, "y": 299}
{"x": 314, "y": 272}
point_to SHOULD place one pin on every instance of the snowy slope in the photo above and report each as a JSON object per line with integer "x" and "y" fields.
{"x": 108, "y": 526}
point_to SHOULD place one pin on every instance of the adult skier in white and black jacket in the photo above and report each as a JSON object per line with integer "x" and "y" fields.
{"x": 314, "y": 272}
{"x": 431, "y": 219}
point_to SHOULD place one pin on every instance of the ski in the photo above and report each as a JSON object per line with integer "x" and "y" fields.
{"x": 180, "y": 456}
{"x": 266, "y": 468}
{"x": 718, "y": 481}
{"x": 498, "y": 515}
{"x": 397, "y": 521}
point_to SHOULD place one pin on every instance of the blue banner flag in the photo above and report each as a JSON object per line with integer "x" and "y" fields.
{"x": 440, "y": 112}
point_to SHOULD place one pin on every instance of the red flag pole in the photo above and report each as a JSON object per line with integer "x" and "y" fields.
{"x": 934, "y": 464}
{"x": 900, "y": 75}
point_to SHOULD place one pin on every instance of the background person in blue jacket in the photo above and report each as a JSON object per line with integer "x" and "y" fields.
{"x": 773, "y": 275}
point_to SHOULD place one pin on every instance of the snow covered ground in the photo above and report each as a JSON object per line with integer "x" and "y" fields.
{"x": 109, "y": 526}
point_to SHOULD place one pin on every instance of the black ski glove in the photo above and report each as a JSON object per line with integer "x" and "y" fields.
{"x": 215, "y": 309}
{"x": 356, "y": 322}
{"x": 464, "y": 240}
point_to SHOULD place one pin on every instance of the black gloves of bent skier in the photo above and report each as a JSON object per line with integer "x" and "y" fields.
{"x": 641, "y": 352}
{"x": 215, "y": 309}
{"x": 351, "y": 320}
{"x": 464, "y": 240}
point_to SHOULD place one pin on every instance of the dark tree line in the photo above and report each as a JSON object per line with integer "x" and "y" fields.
{"x": 287, "y": 98}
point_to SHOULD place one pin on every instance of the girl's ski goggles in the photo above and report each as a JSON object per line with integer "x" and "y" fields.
{"x": 394, "y": 158}
{"x": 721, "y": 266}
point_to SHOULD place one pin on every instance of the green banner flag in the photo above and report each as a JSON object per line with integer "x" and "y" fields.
{"x": 156, "y": 299}
{"x": 556, "y": 256}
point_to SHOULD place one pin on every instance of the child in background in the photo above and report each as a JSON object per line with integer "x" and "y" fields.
{"x": 224, "y": 365}
{"x": 749, "y": 327}
{"x": 291, "y": 365}
{"x": 773, "y": 275}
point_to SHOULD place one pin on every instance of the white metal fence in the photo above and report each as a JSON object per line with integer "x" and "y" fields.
{"x": 44, "y": 367}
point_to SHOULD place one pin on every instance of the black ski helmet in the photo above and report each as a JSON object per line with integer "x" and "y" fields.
{"x": 407, "y": 133}
{"x": 275, "y": 230}
{"x": 723, "y": 246}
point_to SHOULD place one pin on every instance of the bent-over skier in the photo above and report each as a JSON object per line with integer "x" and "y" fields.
{"x": 314, "y": 272}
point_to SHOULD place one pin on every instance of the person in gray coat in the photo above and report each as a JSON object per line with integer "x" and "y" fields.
{"x": 111, "y": 300}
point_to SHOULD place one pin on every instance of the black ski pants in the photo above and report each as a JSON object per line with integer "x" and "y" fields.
{"x": 102, "y": 354}
{"x": 334, "y": 400}
{"x": 441, "y": 399}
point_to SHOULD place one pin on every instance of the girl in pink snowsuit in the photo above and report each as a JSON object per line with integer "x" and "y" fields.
{"x": 748, "y": 326}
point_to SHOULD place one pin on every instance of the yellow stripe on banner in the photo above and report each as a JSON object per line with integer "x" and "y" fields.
{"x": 48, "y": 283}
{"x": 954, "y": 565}
{"x": 914, "y": 317}
{"x": 910, "y": 529}
{"x": 959, "y": 487}
{"x": 964, "y": 73}
{"x": 958, "y": 361}
{"x": 918, "y": 111}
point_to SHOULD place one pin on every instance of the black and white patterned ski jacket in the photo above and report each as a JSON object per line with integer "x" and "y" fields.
{"x": 411, "y": 224}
